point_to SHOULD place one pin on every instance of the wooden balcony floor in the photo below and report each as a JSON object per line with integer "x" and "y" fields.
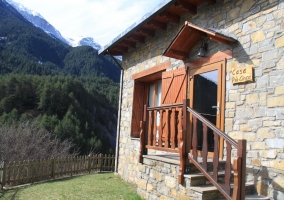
{"x": 172, "y": 158}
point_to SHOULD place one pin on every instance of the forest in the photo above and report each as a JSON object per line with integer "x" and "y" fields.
{"x": 72, "y": 92}
{"x": 80, "y": 109}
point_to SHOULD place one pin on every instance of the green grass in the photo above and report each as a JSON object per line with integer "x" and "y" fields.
{"x": 94, "y": 186}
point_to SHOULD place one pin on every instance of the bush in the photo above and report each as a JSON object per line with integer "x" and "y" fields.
{"x": 28, "y": 142}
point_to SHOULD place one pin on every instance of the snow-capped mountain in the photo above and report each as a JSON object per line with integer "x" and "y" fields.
{"x": 36, "y": 19}
{"x": 83, "y": 41}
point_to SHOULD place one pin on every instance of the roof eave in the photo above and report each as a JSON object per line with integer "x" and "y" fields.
{"x": 147, "y": 17}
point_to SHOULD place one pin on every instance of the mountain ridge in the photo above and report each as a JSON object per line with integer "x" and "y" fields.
{"x": 27, "y": 48}
{"x": 39, "y": 21}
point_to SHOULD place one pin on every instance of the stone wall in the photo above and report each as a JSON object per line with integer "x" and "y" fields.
{"x": 158, "y": 180}
{"x": 253, "y": 111}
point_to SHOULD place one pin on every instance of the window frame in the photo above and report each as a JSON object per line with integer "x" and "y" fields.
{"x": 145, "y": 77}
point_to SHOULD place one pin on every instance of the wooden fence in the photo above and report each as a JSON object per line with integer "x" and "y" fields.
{"x": 18, "y": 173}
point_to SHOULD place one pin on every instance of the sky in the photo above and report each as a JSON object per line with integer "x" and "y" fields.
{"x": 101, "y": 19}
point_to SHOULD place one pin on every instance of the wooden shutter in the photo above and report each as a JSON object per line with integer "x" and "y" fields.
{"x": 174, "y": 86}
{"x": 137, "y": 110}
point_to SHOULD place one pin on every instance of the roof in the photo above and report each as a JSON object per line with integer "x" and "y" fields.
{"x": 189, "y": 36}
{"x": 166, "y": 12}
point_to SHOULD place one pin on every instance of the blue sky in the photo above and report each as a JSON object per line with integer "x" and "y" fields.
{"x": 101, "y": 19}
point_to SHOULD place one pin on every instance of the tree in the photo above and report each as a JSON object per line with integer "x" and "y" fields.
{"x": 27, "y": 142}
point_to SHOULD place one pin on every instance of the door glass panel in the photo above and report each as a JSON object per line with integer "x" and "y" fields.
{"x": 158, "y": 93}
{"x": 205, "y": 102}
{"x": 151, "y": 95}
{"x": 158, "y": 99}
{"x": 155, "y": 96}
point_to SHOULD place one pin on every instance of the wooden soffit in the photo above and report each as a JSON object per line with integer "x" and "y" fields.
{"x": 188, "y": 37}
{"x": 168, "y": 11}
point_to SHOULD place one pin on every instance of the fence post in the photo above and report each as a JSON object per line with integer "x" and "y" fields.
{"x": 32, "y": 170}
{"x": 101, "y": 162}
{"x": 89, "y": 164}
{"x": 28, "y": 172}
{"x": 3, "y": 176}
{"x": 113, "y": 163}
{"x": 53, "y": 168}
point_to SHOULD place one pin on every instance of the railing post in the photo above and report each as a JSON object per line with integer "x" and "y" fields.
{"x": 240, "y": 172}
{"x": 182, "y": 144}
{"x": 142, "y": 141}
{"x": 188, "y": 134}
{"x": 242, "y": 144}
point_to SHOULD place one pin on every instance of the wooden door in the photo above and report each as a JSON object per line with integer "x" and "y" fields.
{"x": 206, "y": 89}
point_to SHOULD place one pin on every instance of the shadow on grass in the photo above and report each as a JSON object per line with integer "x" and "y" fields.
{"x": 13, "y": 196}
{"x": 49, "y": 181}
{"x": 62, "y": 179}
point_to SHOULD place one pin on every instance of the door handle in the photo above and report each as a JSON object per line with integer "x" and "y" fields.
{"x": 217, "y": 108}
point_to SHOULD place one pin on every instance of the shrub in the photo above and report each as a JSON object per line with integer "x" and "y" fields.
{"x": 26, "y": 141}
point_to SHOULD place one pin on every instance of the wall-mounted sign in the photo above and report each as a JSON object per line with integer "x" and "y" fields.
{"x": 242, "y": 74}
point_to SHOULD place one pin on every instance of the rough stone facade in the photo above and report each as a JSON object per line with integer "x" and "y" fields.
{"x": 253, "y": 111}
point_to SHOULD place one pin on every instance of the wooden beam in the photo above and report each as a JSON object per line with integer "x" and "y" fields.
{"x": 172, "y": 17}
{"x": 137, "y": 38}
{"x": 158, "y": 25}
{"x": 187, "y": 6}
{"x": 120, "y": 48}
{"x": 158, "y": 68}
{"x": 128, "y": 44}
{"x": 146, "y": 32}
{"x": 211, "y": 1}
{"x": 179, "y": 53}
{"x": 220, "y": 40}
{"x": 114, "y": 52}
{"x": 212, "y": 58}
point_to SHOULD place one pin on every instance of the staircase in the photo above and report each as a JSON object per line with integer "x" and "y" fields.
{"x": 206, "y": 178}
{"x": 204, "y": 190}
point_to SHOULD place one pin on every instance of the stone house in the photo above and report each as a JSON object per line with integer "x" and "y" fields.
{"x": 202, "y": 95}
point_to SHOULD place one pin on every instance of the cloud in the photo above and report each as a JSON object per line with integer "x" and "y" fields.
{"x": 101, "y": 19}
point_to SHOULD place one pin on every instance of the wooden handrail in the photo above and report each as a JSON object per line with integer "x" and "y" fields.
{"x": 239, "y": 166}
{"x": 213, "y": 127}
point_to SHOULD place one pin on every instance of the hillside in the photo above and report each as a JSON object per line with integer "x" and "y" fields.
{"x": 25, "y": 48}
{"x": 70, "y": 91}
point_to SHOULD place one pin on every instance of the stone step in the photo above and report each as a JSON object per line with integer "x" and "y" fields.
{"x": 256, "y": 197}
{"x": 206, "y": 192}
{"x": 199, "y": 179}
{"x": 192, "y": 169}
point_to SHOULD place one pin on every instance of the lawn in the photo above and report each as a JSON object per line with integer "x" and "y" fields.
{"x": 94, "y": 186}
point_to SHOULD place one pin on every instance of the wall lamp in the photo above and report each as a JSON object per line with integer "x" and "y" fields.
{"x": 202, "y": 49}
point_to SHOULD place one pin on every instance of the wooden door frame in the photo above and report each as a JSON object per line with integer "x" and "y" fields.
{"x": 222, "y": 78}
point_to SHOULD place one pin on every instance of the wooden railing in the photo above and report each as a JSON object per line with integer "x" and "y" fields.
{"x": 239, "y": 162}
{"x": 18, "y": 173}
{"x": 164, "y": 128}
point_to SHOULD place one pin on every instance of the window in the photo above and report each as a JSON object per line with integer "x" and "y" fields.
{"x": 156, "y": 89}
{"x": 144, "y": 93}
